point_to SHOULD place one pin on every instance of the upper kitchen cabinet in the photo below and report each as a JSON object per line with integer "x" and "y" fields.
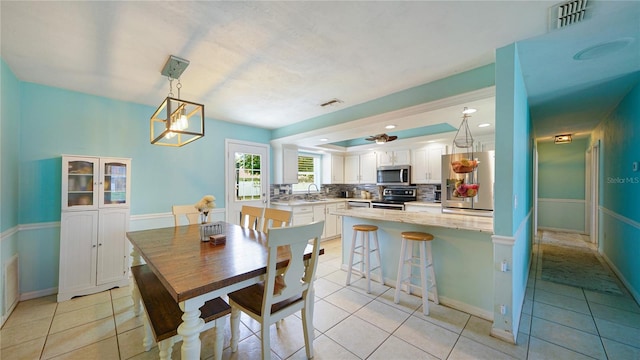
{"x": 332, "y": 169}
{"x": 360, "y": 169}
{"x": 285, "y": 164}
{"x": 426, "y": 164}
{"x": 397, "y": 157}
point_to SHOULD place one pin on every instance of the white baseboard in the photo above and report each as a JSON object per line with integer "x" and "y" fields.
{"x": 38, "y": 294}
{"x": 632, "y": 291}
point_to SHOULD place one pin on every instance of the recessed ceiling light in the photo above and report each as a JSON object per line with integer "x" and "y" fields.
{"x": 430, "y": 141}
{"x": 324, "y": 139}
{"x": 484, "y": 125}
{"x": 390, "y": 126}
{"x": 563, "y": 139}
{"x": 469, "y": 110}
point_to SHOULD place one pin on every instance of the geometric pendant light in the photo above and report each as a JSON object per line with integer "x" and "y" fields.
{"x": 176, "y": 122}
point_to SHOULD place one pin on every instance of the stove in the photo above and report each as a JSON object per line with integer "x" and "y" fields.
{"x": 393, "y": 198}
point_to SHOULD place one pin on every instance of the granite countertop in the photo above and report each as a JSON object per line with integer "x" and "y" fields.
{"x": 450, "y": 221}
{"x": 301, "y": 202}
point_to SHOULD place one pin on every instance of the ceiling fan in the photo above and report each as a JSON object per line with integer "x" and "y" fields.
{"x": 381, "y": 138}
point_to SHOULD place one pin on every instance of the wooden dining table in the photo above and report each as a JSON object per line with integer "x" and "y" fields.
{"x": 195, "y": 271}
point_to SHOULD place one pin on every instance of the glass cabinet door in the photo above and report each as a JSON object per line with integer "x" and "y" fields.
{"x": 80, "y": 193}
{"x": 115, "y": 182}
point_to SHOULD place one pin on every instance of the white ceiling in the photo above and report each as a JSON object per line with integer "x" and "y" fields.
{"x": 268, "y": 64}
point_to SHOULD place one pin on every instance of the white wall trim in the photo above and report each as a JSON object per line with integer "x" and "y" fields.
{"x": 575, "y": 201}
{"x": 549, "y": 228}
{"x": 39, "y": 226}
{"x": 510, "y": 240}
{"x": 503, "y": 240}
{"x": 620, "y": 217}
{"x": 38, "y": 294}
{"x": 9, "y": 232}
{"x": 635, "y": 294}
{"x": 163, "y": 215}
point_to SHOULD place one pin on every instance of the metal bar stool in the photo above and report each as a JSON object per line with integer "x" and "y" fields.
{"x": 423, "y": 240}
{"x": 364, "y": 249}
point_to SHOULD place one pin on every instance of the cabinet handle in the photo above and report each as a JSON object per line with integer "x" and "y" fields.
{"x": 94, "y": 245}
{"x": 99, "y": 244}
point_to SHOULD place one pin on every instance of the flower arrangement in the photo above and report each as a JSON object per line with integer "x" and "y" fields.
{"x": 204, "y": 206}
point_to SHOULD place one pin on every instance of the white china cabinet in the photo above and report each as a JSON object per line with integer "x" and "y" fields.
{"x": 95, "y": 218}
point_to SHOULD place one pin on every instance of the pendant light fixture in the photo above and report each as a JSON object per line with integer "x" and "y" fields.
{"x": 176, "y": 122}
{"x": 463, "y": 138}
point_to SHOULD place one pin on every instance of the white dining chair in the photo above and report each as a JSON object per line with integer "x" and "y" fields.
{"x": 275, "y": 218}
{"x": 251, "y": 217}
{"x": 188, "y": 211}
{"x": 270, "y": 301}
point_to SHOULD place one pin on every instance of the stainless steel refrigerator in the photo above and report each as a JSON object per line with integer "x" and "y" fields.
{"x": 467, "y": 182}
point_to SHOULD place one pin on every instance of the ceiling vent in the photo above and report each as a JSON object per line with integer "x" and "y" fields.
{"x": 568, "y": 13}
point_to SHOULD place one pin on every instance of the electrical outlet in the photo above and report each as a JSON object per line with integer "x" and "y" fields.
{"x": 503, "y": 309}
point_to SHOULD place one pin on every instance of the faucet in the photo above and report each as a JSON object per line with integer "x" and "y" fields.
{"x": 309, "y": 189}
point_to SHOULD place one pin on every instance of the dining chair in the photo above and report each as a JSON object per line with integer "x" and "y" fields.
{"x": 270, "y": 301}
{"x": 188, "y": 211}
{"x": 276, "y": 218}
{"x": 251, "y": 216}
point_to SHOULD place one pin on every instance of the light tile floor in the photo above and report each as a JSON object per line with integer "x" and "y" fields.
{"x": 558, "y": 322}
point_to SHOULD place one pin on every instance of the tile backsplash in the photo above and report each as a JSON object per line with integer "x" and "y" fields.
{"x": 283, "y": 192}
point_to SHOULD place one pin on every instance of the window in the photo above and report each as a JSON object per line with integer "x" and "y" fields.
{"x": 308, "y": 172}
{"x": 248, "y": 176}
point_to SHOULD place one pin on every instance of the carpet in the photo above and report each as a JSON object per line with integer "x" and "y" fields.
{"x": 577, "y": 267}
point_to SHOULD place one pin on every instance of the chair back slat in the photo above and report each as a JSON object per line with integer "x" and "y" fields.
{"x": 188, "y": 211}
{"x": 250, "y": 217}
{"x": 295, "y": 239}
{"x": 275, "y": 218}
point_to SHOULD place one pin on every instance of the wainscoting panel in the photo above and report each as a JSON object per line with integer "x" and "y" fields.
{"x": 561, "y": 214}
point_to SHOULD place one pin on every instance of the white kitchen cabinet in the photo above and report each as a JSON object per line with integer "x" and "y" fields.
{"x": 285, "y": 164}
{"x": 93, "y": 225}
{"x": 396, "y": 157}
{"x": 305, "y": 214}
{"x": 302, "y": 215}
{"x": 333, "y": 223}
{"x": 430, "y": 208}
{"x": 332, "y": 169}
{"x": 360, "y": 169}
{"x": 320, "y": 214}
{"x": 426, "y": 165}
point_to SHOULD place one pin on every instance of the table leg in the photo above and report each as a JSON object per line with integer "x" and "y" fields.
{"x": 135, "y": 294}
{"x": 190, "y": 329}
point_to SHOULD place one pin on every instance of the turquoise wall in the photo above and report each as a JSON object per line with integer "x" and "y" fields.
{"x": 561, "y": 185}
{"x": 9, "y": 165}
{"x": 10, "y": 140}
{"x": 514, "y": 189}
{"x": 620, "y": 186}
{"x": 65, "y": 122}
{"x": 561, "y": 169}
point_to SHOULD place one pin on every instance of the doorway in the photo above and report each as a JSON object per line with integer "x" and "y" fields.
{"x": 593, "y": 191}
{"x": 247, "y": 176}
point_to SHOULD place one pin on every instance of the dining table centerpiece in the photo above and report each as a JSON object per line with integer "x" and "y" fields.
{"x": 204, "y": 206}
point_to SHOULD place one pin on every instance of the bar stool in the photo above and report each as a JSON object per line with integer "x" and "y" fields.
{"x": 424, "y": 262}
{"x": 364, "y": 249}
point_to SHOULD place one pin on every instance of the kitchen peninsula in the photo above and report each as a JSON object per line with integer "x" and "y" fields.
{"x": 462, "y": 252}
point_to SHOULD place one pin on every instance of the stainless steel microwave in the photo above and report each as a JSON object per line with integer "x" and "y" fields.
{"x": 394, "y": 175}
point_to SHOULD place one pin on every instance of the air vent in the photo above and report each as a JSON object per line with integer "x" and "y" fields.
{"x": 565, "y": 14}
{"x": 332, "y": 102}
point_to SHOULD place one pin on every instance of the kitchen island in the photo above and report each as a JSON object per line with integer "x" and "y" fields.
{"x": 462, "y": 252}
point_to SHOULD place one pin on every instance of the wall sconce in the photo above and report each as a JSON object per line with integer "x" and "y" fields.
{"x": 176, "y": 122}
{"x": 563, "y": 139}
